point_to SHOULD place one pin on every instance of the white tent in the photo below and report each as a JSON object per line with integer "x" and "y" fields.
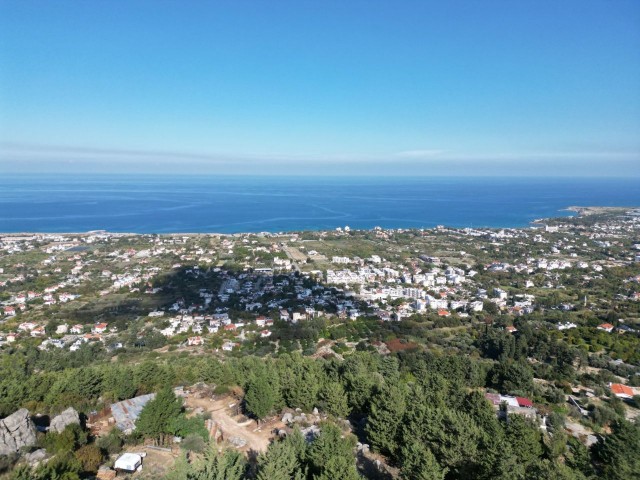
{"x": 128, "y": 462}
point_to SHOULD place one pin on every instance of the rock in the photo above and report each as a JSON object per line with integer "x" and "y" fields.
{"x": 60, "y": 422}
{"x": 35, "y": 457}
{"x": 315, "y": 411}
{"x": 287, "y": 418}
{"x": 362, "y": 448}
{"x": 237, "y": 441}
{"x": 16, "y": 431}
{"x": 310, "y": 433}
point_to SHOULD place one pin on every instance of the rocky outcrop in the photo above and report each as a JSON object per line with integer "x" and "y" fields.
{"x": 34, "y": 458}
{"x": 60, "y": 422}
{"x": 16, "y": 431}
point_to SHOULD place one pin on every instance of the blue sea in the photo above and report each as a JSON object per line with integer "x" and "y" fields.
{"x": 230, "y": 204}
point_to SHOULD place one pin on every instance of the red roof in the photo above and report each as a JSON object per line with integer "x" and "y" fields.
{"x": 443, "y": 313}
{"x": 620, "y": 389}
{"x": 524, "y": 402}
{"x": 606, "y": 326}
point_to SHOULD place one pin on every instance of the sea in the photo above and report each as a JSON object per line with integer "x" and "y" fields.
{"x": 233, "y": 204}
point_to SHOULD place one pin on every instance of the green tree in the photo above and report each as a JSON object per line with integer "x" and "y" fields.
{"x": 419, "y": 463}
{"x": 229, "y": 465}
{"x": 330, "y": 453}
{"x": 616, "y": 455}
{"x": 261, "y": 395}
{"x": 524, "y": 437}
{"x": 157, "y": 418}
{"x": 452, "y": 436}
{"x": 280, "y": 462}
{"x": 512, "y": 377}
{"x": 333, "y": 399}
{"x": 387, "y": 410}
{"x": 301, "y": 383}
{"x": 550, "y": 470}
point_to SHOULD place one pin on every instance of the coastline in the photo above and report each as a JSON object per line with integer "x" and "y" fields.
{"x": 579, "y": 211}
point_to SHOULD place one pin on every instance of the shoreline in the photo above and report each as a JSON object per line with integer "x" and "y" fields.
{"x": 579, "y": 212}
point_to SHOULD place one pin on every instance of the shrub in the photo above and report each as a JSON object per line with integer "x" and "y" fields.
{"x": 193, "y": 443}
{"x": 90, "y": 456}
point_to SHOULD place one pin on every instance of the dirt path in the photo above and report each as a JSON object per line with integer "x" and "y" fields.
{"x": 257, "y": 438}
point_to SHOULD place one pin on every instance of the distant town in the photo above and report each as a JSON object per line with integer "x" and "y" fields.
{"x": 549, "y": 313}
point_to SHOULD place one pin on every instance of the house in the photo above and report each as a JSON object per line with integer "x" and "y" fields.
{"x": 100, "y": 327}
{"x": 265, "y": 333}
{"x": 9, "y": 311}
{"x": 38, "y": 332}
{"x": 27, "y": 326}
{"x": 500, "y": 293}
{"x": 443, "y": 313}
{"x": 607, "y": 327}
{"x": 229, "y": 346}
{"x": 621, "y": 391}
{"x": 261, "y": 321}
{"x": 194, "y": 341}
{"x": 284, "y": 316}
{"x": 230, "y": 328}
{"x": 511, "y": 329}
{"x": 566, "y": 326}
{"x": 77, "y": 329}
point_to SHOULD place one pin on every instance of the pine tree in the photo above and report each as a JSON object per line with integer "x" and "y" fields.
{"x": 334, "y": 399}
{"x": 419, "y": 463}
{"x": 617, "y": 454}
{"x": 338, "y": 467}
{"x": 230, "y": 465}
{"x": 158, "y": 416}
{"x": 279, "y": 463}
{"x": 330, "y": 453}
{"x": 261, "y": 396}
{"x": 386, "y": 412}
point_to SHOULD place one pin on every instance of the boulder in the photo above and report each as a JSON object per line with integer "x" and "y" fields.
{"x": 287, "y": 418}
{"x": 60, "y": 422}
{"x": 16, "y": 431}
{"x": 36, "y": 457}
{"x": 237, "y": 441}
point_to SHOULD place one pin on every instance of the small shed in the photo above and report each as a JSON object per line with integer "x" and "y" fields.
{"x": 128, "y": 462}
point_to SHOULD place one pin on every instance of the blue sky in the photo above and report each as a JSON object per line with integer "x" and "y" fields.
{"x": 333, "y": 87}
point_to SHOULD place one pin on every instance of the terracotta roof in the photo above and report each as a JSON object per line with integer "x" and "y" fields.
{"x": 620, "y": 389}
{"x": 524, "y": 402}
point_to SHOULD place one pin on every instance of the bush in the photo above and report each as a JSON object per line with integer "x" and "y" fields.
{"x": 193, "y": 443}
{"x": 71, "y": 438}
{"x": 111, "y": 443}
{"x": 7, "y": 461}
{"x": 90, "y": 456}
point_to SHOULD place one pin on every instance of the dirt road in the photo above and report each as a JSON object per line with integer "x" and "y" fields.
{"x": 257, "y": 438}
